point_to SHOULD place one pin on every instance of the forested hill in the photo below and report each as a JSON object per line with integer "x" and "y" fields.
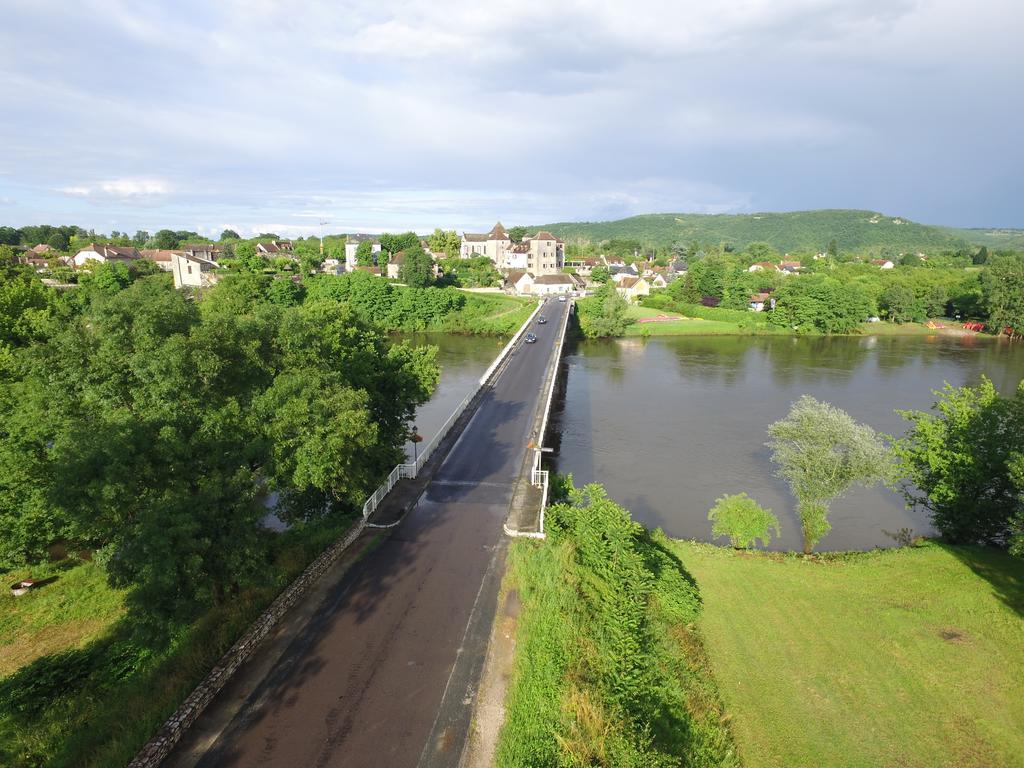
{"x": 798, "y": 230}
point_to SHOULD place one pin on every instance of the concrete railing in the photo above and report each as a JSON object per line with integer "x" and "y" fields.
{"x": 539, "y": 478}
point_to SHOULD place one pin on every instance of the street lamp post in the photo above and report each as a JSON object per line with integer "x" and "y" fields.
{"x": 415, "y": 437}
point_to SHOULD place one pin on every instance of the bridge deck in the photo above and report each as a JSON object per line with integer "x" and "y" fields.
{"x": 363, "y": 681}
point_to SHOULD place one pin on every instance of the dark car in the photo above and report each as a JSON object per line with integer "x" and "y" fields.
{"x": 530, "y": 338}
{"x": 541, "y": 320}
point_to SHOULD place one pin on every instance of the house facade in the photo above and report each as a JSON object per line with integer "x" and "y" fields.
{"x": 162, "y": 258}
{"x": 493, "y": 245}
{"x": 632, "y": 288}
{"x": 106, "y": 253}
{"x": 352, "y": 243}
{"x": 546, "y": 254}
{"x": 549, "y": 284}
{"x": 192, "y": 271}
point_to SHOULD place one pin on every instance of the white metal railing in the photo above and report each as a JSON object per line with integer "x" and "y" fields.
{"x": 412, "y": 470}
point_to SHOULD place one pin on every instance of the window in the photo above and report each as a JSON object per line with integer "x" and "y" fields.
{"x": 190, "y": 269}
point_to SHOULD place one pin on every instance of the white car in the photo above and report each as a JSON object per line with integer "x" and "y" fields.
{"x": 561, "y": 298}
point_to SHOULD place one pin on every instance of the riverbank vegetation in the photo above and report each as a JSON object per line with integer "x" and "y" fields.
{"x": 899, "y": 657}
{"x": 608, "y": 669}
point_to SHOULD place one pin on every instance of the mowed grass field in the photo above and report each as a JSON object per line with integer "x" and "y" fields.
{"x": 75, "y": 607}
{"x": 909, "y": 657}
{"x": 680, "y": 326}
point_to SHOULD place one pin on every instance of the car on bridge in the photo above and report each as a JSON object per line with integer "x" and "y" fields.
{"x": 530, "y": 339}
{"x": 561, "y": 298}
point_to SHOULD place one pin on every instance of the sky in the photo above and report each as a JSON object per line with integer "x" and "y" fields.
{"x": 371, "y": 115}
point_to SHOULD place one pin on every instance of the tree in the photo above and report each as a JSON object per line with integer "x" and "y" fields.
{"x": 229, "y": 234}
{"x": 899, "y": 303}
{"x": 600, "y": 274}
{"x": 1003, "y": 287}
{"x": 417, "y": 268}
{"x": 445, "y": 241}
{"x": 397, "y": 243}
{"x": 963, "y": 463}
{"x": 981, "y": 257}
{"x": 516, "y": 234}
{"x": 742, "y": 520}
{"x": 146, "y": 427}
{"x": 603, "y": 314}
{"x": 165, "y": 239}
{"x": 247, "y": 259}
{"x": 821, "y": 452}
{"x": 140, "y": 238}
{"x": 58, "y": 241}
{"x": 817, "y": 303}
{"x": 833, "y": 248}
{"x": 364, "y": 253}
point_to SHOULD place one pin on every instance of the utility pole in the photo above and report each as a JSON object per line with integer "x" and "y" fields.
{"x": 322, "y": 222}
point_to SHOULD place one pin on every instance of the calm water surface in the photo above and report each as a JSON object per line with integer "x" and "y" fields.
{"x": 668, "y": 425}
{"x": 463, "y": 360}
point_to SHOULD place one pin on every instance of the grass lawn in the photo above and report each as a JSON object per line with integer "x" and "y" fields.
{"x": 490, "y": 313}
{"x": 77, "y": 689}
{"x": 909, "y": 657}
{"x": 76, "y": 607}
{"x": 684, "y": 326}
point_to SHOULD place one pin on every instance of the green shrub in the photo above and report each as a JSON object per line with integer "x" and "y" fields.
{"x": 742, "y": 520}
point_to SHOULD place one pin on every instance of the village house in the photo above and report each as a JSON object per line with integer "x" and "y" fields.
{"x": 762, "y": 266}
{"x": 546, "y": 254}
{"x": 275, "y": 248}
{"x": 658, "y": 280}
{"x": 519, "y": 281}
{"x": 162, "y": 258}
{"x": 207, "y": 251}
{"x": 632, "y": 288}
{"x": 352, "y": 243}
{"x": 493, "y": 245}
{"x": 192, "y": 271}
{"x": 758, "y": 301}
{"x": 790, "y": 267}
{"x": 106, "y": 253}
{"x": 883, "y": 263}
{"x": 550, "y": 284}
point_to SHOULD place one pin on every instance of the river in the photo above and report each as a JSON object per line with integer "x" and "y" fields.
{"x": 669, "y": 424}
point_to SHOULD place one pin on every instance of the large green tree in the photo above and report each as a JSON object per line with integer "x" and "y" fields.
{"x": 445, "y": 241}
{"x": 962, "y": 463}
{"x": 821, "y": 452}
{"x": 364, "y": 253}
{"x": 146, "y": 425}
{"x": 417, "y": 268}
{"x": 817, "y": 303}
{"x": 1003, "y": 286}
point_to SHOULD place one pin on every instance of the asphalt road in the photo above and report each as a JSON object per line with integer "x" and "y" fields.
{"x": 363, "y": 683}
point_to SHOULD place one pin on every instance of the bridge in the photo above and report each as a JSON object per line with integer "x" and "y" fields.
{"x": 377, "y": 664}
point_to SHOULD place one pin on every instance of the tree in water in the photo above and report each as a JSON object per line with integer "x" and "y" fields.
{"x": 821, "y": 452}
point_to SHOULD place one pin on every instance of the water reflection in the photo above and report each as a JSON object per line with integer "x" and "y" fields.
{"x": 670, "y": 424}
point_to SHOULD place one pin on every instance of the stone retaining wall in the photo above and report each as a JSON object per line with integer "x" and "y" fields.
{"x": 157, "y": 749}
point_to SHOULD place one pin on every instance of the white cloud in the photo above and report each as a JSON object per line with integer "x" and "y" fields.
{"x": 123, "y": 189}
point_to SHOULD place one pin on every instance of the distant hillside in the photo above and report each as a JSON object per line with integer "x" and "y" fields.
{"x": 993, "y": 239}
{"x": 799, "y": 230}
